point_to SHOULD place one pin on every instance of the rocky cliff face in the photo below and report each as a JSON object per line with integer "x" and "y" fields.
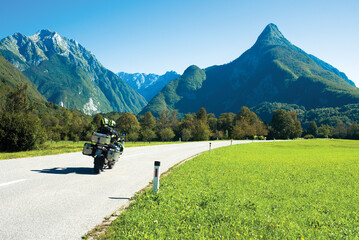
{"x": 56, "y": 62}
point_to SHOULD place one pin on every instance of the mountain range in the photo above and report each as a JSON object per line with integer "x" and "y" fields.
{"x": 148, "y": 85}
{"x": 272, "y": 70}
{"x": 69, "y": 75}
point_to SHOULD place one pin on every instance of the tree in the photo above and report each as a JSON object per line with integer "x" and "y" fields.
{"x": 96, "y": 121}
{"x": 166, "y": 134}
{"x": 285, "y": 125}
{"x": 353, "y": 131}
{"x": 148, "y": 121}
{"x": 147, "y": 134}
{"x": 132, "y": 136}
{"x": 185, "y": 129}
{"x": 248, "y": 125}
{"x": 238, "y": 132}
{"x": 296, "y": 129}
{"x": 201, "y": 131}
{"x": 186, "y": 134}
{"x": 312, "y": 129}
{"x": 248, "y": 115}
{"x": 190, "y": 117}
{"x": 128, "y": 123}
{"x": 212, "y": 123}
{"x": 17, "y": 100}
{"x": 218, "y": 135}
{"x": 202, "y": 114}
{"x": 225, "y": 123}
{"x": 340, "y": 131}
{"x": 167, "y": 119}
{"x": 20, "y": 129}
{"x": 324, "y": 131}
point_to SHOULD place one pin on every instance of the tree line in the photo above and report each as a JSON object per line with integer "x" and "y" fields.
{"x": 23, "y": 126}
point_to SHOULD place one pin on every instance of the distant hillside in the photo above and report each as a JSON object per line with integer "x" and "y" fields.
{"x": 347, "y": 114}
{"x": 68, "y": 74}
{"x": 11, "y": 77}
{"x": 272, "y": 70}
{"x": 148, "y": 85}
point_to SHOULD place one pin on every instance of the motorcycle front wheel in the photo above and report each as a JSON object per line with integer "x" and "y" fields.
{"x": 111, "y": 164}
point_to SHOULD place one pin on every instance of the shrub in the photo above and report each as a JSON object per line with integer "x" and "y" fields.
{"x": 20, "y": 132}
{"x": 308, "y": 136}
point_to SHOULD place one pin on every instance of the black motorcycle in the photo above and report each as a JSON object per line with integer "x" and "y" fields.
{"x": 105, "y": 153}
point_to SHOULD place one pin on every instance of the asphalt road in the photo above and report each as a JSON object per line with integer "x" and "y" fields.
{"x": 59, "y": 197}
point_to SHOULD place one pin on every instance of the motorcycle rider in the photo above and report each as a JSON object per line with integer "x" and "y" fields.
{"x": 107, "y": 127}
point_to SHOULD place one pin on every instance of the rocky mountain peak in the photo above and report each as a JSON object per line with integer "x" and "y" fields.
{"x": 272, "y": 36}
{"x": 272, "y": 31}
{"x": 45, "y": 33}
{"x": 18, "y": 35}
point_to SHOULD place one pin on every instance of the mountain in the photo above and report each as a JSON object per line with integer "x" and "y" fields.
{"x": 68, "y": 74}
{"x": 330, "y": 68}
{"x": 11, "y": 77}
{"x": 148, "y": 85}
{"x": 272, "y": 70}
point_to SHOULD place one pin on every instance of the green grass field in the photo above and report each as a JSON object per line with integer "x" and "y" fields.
{"x": 281, "y": 190}
{"x": 52, "y": 148}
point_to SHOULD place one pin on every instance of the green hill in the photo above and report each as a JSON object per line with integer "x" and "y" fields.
{"x": 11, "y": 77}
{"x": 272, "y": 70}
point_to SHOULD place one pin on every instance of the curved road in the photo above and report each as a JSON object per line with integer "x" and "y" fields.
{"x": 58, "y": 197}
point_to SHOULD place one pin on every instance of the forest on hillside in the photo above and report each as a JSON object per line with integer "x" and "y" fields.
{"x": 26, "y": 124}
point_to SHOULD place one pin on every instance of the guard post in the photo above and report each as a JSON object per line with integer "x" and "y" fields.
{"x": 124, "y": 139}
{"x": 156, "y": 178}
{"x": 210, "y": 146}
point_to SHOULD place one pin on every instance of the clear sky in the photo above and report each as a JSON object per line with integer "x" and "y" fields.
{"x": 154, "y": 36}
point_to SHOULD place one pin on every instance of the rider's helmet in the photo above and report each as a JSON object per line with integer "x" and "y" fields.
{"x": 104, "y": 122}
{"x": 112, "y": 123}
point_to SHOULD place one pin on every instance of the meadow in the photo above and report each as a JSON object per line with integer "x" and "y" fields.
{"x": 281, "y": 190}
{"x": 53, "y": 148}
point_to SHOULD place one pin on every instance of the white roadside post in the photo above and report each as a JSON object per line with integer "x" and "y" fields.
{"x": 156, "y": 178}
{"x": 210, "y": 146}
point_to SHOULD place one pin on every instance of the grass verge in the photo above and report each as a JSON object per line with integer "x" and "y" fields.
{"x": 281, "y": 190}
{"x": 52, "y": 148}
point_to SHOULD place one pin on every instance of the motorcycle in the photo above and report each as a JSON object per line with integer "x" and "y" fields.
{"x": 105, "y": 153}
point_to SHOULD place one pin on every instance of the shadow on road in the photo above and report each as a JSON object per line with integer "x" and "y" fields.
{"x": 119, "y": 198}
{"x": 78, "y": 170}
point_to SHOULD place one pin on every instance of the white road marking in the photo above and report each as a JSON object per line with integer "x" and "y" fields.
{"x": 8, "y": 183}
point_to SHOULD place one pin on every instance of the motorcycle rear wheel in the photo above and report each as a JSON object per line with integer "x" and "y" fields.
{"x": 98, "y": 164}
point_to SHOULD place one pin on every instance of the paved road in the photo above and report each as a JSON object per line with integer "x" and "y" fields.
{"x": 58, "y": 197}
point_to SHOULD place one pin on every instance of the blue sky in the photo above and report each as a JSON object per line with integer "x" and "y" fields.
{"x": 154, "y": 36}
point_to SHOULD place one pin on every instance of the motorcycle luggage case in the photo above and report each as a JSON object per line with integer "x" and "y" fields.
{"x": 99, "y": 138}
{"x": 88, "y": 148}
{"x": 113, "y": 155}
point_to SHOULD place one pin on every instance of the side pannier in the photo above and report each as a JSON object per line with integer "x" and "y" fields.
{"x": 99, "y": 138}
{"x": 113, "y": 154}
{"x": 88, "y": 148}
